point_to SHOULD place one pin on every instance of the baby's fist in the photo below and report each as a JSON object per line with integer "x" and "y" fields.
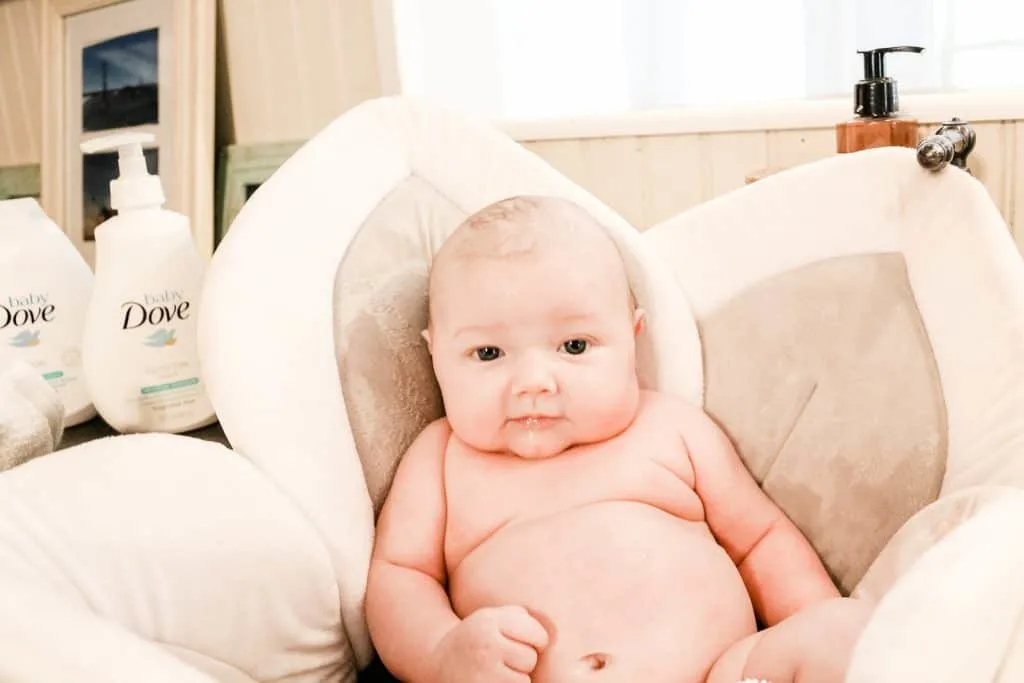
{"x": 491, "y": 645}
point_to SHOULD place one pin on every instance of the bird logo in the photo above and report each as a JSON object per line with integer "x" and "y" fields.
{"x": 161, "y": 338}
{"x": 25, "y": 339}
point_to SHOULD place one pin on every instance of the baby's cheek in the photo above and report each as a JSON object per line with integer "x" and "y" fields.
{"x": 612, "y": 396}
{"x": 608, "y": 384}
{"x": 474, "y": 415}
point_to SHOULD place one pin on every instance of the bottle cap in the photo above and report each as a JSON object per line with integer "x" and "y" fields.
{"x": 136, "y": 187}
{"x": 877, "y": 95}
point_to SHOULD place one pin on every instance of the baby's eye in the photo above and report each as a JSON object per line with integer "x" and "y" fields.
{"x": 488, "y": 353}
{"x": 575, "y": 347}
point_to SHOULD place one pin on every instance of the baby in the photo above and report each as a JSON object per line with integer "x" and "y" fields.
{"x": 560, "y": 524}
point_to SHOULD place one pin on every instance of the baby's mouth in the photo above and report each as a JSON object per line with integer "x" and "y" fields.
{"x": 534, "y": 421}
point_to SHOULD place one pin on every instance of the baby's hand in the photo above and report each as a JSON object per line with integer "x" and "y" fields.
{"x": 491, "y": 645}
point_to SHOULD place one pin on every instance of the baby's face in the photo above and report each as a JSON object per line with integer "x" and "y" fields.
{"x": 534, "y": 355}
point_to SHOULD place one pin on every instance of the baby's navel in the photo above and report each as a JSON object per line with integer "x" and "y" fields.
{"x": 596, "y": 660}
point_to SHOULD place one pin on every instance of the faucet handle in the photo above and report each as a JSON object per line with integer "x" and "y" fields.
{"x": 950, "y": 144}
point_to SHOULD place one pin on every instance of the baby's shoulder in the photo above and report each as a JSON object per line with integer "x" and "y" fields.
{"x": 438, "y": 428}
{"x": 431, "y": 442}
{"x": 659, "y": 404}
{"x": 678, "y": 414}
{"x": 699, "y": 430}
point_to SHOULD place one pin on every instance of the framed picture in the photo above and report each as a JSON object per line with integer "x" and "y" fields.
{"x": 242, "y": 169}
{"x": 127, "y": 65}
{"x": 19, "y": 181}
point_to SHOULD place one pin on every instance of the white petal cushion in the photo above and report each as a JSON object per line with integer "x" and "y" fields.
{"x": 142, "y": 557}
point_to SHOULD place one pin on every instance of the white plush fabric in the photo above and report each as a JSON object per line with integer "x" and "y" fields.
{"x": 854, "y": 471}
{"x": 44, "y": 638}
{"x": 31, "y": 415}
{"x": 160, "y": 558}
{"x": 956, "y": 614}
{"x": 961, "y": 260}
{"x": 130, "y": 556}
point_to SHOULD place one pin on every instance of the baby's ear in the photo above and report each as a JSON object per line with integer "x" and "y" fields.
{"x": 426, "y": 337}
{"x": 639, "y": 317}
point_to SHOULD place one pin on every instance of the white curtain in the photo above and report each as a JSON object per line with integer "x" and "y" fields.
{"x": 558, "y": 58}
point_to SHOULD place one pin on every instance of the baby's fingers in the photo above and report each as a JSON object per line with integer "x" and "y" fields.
{"x": 519, "y": 625}
{"x": 519, "y": 657}
{"x": 510, "y": 676}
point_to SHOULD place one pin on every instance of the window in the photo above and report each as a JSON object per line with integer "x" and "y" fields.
{"x": 547, "y": 58}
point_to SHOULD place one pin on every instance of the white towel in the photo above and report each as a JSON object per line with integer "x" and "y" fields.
{"x": 31, "y": 415}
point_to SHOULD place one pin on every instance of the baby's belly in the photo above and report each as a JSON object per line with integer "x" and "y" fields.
{"x": 627, "y": 592}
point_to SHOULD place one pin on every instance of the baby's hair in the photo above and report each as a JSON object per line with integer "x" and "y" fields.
{"x": 520, "y": 226}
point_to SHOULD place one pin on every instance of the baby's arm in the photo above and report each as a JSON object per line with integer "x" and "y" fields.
{"x": 782, "y": 571}
{"x": 407, "y": 608}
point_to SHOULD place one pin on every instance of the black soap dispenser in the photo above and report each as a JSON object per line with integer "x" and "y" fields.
{"x": 876, "y": 104}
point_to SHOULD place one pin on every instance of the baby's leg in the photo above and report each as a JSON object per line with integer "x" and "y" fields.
{"x": 814, "y": 645}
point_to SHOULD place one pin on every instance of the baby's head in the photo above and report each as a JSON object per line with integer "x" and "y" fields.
{"x": 533, "y": 328}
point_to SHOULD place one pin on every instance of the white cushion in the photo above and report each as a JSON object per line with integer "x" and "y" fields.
{"x": 142, "y": 557}
{"x": 961, "y": 261}
{"x": 956, "y": 614}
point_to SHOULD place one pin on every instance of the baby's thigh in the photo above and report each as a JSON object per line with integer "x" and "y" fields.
{"x": 813, "y": 646}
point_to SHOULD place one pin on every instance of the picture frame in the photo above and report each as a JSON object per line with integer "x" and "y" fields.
{"x": 113, "y": 66}
{"x": 241, "y": 170}
{"x": 19, "y": 181}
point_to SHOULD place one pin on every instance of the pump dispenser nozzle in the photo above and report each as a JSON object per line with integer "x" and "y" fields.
{"x": 877, "y": 95}
{"x": 135, "y": 188}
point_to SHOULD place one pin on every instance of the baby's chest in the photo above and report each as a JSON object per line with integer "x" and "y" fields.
{"x": 485, "y": 493}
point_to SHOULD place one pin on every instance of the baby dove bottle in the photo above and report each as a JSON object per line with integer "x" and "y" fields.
{"x": 45, "y": 286}
{"x": 139, "y": 353}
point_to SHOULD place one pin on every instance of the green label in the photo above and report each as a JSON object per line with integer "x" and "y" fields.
{"x": 157, "y": 388}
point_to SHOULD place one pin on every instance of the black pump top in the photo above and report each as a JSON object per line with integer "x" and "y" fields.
{"x": 877, "y": 95}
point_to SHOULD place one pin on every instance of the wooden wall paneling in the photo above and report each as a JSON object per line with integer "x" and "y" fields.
{"x": 360, "y": 74}
{"x": 1010, "y": 173}
{"x": 621, "y": 183}
{"x": 988, "y": 161}
{"x": 789, "y": 148}
{"x": 20, "y": 88}
{"x": 1017, "y": 205}
{"x": 317, "y": 60}
{"x": 242, "y": 45}
{"x": 262, "y": 54}
{"x": 730, "y": 157}
{"x": 672, "y": 173}
{"x": 569, "y": 157}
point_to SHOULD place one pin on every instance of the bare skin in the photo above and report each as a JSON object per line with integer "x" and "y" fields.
{"x": 560, "y": 523}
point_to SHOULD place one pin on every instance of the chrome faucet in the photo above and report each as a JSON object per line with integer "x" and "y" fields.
{"x": 950, "y": 144}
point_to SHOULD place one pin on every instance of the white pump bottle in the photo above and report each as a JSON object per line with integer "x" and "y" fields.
{"x": 139, "y": 353}
{"x": 45, "y": 286}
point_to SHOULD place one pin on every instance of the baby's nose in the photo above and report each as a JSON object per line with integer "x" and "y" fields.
{"x": 534, "y": 378}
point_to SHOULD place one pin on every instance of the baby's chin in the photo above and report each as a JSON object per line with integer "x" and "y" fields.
{"x": 536, "y": 452}
{"x": 538, "y": 445}
{"x": 525, "y": 445}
